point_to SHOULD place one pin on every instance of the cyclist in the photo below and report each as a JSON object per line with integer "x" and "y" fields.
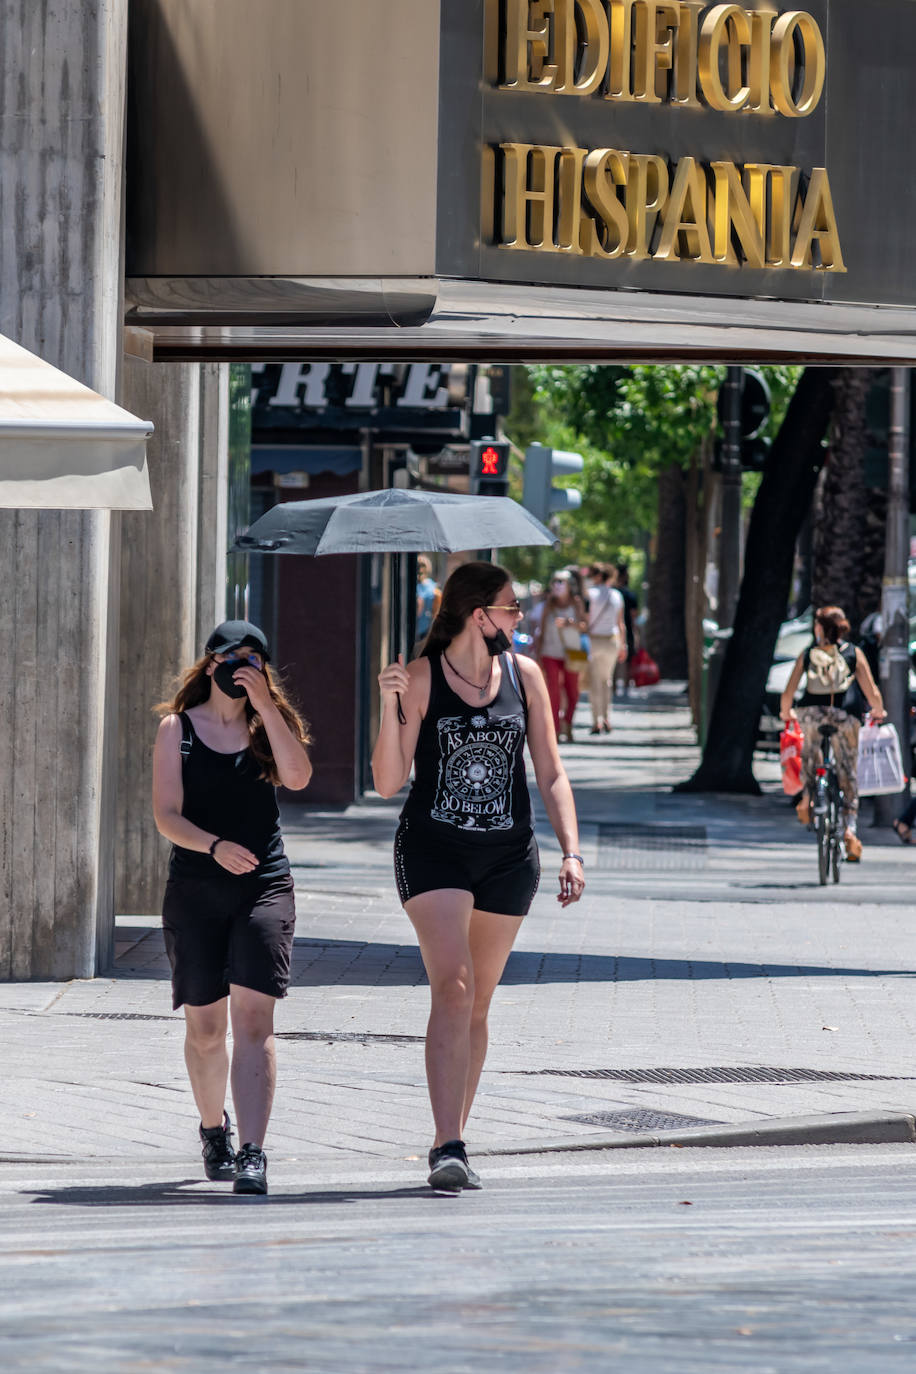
{"x": 832, "y": 668}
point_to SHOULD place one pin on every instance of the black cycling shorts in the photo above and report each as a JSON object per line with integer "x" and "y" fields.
{"x": 501, "y": 877}
{"x": 232, "y": 929}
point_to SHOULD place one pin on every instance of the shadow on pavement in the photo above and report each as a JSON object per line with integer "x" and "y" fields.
{"x": 172, "y": 1194}
{"x": 354, "y": 963}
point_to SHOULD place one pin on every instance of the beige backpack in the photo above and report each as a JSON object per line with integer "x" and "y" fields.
{"x": 829, "y": 673}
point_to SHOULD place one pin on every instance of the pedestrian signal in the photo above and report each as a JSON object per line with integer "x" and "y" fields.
{"x": 489, "y": 468}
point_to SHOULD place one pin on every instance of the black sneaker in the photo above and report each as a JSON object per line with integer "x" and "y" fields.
{"x": 219, "y": 1156}
{"x": 250, "y": 1170}
{"x": 448, "y": 1167}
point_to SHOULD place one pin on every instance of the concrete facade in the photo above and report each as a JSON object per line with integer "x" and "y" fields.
{"x": 172, "y": 589}
{"x": 76, "y": 835}
{"x": 61, "y": 269}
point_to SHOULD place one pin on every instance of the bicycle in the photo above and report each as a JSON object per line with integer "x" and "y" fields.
{"x": 828, "y": 811}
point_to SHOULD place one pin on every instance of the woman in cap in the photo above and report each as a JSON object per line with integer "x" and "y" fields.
{"x": 228, "y": 738}
{"x": 466, "y": 861}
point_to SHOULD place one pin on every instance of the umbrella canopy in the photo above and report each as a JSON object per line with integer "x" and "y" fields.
{"x": 394, "y": 521}
{"x": 62, "y": 446}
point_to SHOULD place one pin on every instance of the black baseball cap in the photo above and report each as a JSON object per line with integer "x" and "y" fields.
{"x": 233, "y": 634}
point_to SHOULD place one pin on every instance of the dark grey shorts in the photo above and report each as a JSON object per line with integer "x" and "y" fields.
{"x": 226, "y": 930}
{"x": 501, "y": 877}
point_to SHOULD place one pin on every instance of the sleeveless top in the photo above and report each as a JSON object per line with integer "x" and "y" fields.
{"x": 469, "y": 768}
{"x": 224, "y": 793}
{"x": 850, "y": 699}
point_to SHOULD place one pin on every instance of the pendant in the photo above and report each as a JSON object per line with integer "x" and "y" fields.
{"x": 483, "y": 690}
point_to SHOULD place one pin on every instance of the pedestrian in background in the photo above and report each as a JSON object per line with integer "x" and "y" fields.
{"x": 630, "y": 608}
{"x": 606, "y": 642}
{"x": 832, "y": 668}
{"x": 466, "y": 860}
{"x": 229, "y": 736}
{"x": 562, "y": 619}
{"x": 428, "y": 597}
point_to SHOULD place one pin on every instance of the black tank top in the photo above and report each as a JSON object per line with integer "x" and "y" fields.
{"x": 469, "y": 767}
{"x": 852, "y": 699}
{"x": 224, "y": 793}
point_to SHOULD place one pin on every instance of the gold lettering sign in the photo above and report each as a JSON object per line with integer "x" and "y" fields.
{"x": 612, "y": 203}
{"x": 684, "y": 52}
{"x": 608, "y": 203}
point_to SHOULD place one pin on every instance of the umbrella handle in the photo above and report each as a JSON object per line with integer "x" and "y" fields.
{"x": 401, "y": 716}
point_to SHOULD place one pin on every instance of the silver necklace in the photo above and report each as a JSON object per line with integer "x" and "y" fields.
{"x": 482, "y": 690}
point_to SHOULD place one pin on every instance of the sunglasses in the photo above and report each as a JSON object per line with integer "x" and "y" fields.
{"x": 514, "y": 606}
{"x": 233, "y": 656}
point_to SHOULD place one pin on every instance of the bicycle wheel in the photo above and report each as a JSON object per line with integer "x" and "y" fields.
{"x": 823, "y": 847}
{"x": 835, "y": 856}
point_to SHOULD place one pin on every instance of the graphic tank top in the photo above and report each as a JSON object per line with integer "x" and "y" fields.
{"x": 469, "y": 767}
{"x": 225, "y": 794}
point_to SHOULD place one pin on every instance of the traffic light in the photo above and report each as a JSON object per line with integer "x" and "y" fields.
{"x": 540, "y": 496}
{"x": 489, "y": 470}
{"x": 755, "y": 411}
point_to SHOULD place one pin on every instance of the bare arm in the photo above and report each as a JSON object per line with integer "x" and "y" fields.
{"x": 168, "y": 798}
{"x": 786, "y": 707}
{"x": 553, "y": 784}
{"x": 869, "y": 686}
{"x": 582, "y": 614}
{"x": 396, "y": 745}
{"x": 294, "y": 767}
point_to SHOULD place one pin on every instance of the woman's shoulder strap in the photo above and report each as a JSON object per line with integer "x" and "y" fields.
{"x": 187, "y": 735}
{"x": 515, "y": 677}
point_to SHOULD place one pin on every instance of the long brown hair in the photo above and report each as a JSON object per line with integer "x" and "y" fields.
{"x": 192, "y": 688}
{"x": 470, "y": 586}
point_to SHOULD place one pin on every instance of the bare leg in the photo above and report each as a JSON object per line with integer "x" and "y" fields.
{"x": 491, "y": 939}
{"x": 254, "y": 1061}
{"x": 441, "y": 920}
{"x": 207, "y": 1059}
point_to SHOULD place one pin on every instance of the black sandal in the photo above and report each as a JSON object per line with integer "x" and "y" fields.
{"x": 903, "y": 832}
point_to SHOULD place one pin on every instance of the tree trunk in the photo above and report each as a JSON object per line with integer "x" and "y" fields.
{"x": 665, "y": 636}
{"x": 698, "y": 489}
{"x": 779, "y": 510}
{"x": 840, "y": 517}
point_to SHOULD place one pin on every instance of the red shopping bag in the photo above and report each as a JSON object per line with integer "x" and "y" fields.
{"x": 790, "y": 757}
{"x": 643, "y": 669}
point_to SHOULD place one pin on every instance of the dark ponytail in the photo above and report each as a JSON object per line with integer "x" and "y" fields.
{"x": 470, "y": 586}
{"x": 832, "y": 620}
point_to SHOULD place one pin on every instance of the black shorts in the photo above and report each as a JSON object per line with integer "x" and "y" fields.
{"x": 226, "y": 930}
{"x": 501, "y": 877}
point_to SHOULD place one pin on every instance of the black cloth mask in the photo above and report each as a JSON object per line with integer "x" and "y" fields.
{"x": 498, "y": 643}
{"x": 222, "y": 676}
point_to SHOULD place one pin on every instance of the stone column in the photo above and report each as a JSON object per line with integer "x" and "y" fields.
{"x": 62, "y": 67}
{"x": 172, "y": 589}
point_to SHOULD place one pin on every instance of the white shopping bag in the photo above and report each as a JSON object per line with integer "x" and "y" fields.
{"x": 880, "y": 764}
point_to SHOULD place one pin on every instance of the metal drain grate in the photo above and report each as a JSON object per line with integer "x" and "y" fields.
{"x": 351, "y": 1037}
{"x": 117, "y": 1016}
{"x": 641, "y": 1119}
{"x": 650, "y": 848}
{"x": 722, "y": 1075}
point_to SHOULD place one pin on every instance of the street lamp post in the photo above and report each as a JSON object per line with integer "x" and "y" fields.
{"x": 894, "y": 610}
{"x": 730, "y": 524}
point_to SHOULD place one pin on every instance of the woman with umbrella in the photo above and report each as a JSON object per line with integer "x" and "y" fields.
{"x": 466, "y": 861}
{"x": 228, "y": 738}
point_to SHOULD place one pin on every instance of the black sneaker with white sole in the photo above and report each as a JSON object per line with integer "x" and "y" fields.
{"x": 219, "y": 1156}
{"x": 448, "y": 1168}
{"x": 250, "y": 1171}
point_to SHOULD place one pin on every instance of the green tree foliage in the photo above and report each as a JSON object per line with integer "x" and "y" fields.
{"x": 629, "y": 424}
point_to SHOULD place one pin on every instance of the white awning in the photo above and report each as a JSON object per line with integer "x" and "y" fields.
{"x": 63, "y": 446}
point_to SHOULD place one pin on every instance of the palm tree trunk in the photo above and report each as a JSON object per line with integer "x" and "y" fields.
{"x": 841, "y": 513}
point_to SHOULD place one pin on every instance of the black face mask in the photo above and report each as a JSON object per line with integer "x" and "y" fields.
{"x": 498, "y": 643}
{"x": 222, "y": 676}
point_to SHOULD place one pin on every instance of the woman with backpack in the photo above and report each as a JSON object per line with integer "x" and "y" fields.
{"x": 465, "y": 856}
{"x": 228, "y": 737}
{"x": 835, "y": 672}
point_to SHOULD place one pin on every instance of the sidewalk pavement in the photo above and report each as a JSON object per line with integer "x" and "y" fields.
{"x": 704, "y": 979}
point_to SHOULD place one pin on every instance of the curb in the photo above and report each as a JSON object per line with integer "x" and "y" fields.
{"x": 839, "y": 1128}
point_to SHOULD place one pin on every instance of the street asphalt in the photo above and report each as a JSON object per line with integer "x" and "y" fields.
{"x": 706, "y": 995}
